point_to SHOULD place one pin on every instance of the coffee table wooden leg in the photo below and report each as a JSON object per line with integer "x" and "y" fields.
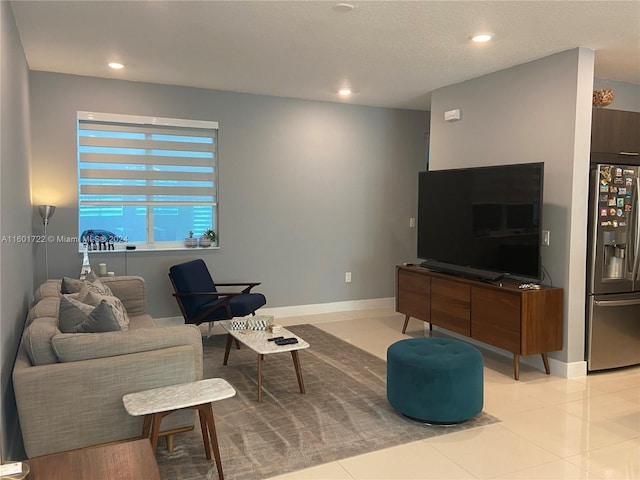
{"x": 211, "y": 427}
{"x": 296, "y": 364}
{"x": 155, "y": 430}
{"x": 146, "y": 426}
{"x": 260, "y": 358}
{"x": 170, "y": 443}
{"x": 227, "y": 348}
{"x": 205, "y": 430}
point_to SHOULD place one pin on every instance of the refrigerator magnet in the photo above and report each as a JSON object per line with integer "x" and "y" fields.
{"x": 620, "y": 202}
{"x": 603, "y": 212}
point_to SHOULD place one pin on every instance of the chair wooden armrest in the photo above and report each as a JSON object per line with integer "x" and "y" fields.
{"x": 248, "y": 285}
{"x": 207, "y": 294}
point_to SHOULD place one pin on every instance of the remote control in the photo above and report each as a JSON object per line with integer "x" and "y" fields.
{"x": 286, "y": 341}
{"x": 274, "y": 339}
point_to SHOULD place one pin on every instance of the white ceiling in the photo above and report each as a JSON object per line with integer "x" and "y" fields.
{"x": 391, "y": 53}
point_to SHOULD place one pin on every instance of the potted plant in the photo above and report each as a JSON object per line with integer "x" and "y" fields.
{"x": 190, "y": 241}
{"x": 207, "y": 238}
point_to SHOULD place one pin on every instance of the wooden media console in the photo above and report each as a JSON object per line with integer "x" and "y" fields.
{"x": 521, "y": 321}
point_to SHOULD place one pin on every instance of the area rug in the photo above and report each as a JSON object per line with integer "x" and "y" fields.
{"x": 343, "y": 413}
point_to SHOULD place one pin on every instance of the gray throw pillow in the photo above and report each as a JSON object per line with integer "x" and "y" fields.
{"x": 70, "y": 285}
{"x": 72, "y": 319}
{"x": 92, "y": 282}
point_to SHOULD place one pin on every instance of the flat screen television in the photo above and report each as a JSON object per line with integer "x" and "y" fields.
{"x": 482, "y": 222}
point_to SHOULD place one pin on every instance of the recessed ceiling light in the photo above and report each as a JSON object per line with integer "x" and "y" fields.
{"x": 481, "y": 38}
{"x": 116, "y": 65}
{"x": 344, "y": 92}
{"x": 343, "y": 7}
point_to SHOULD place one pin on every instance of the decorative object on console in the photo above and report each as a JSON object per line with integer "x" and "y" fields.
{"x": 190, "y": 241}
{"x": 86, "y": 266}
{"x": 603, "y": 97}
{"x": 100, "y": 239}
{"x": 208, "y": 238}
{"x": 46, "y": 212}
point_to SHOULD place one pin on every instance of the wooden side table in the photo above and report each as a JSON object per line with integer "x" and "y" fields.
{"x": 125, "y": 461}
{"x": 157, "y": 403}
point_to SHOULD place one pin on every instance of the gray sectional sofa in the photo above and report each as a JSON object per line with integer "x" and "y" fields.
{"x": 69, "y": 386}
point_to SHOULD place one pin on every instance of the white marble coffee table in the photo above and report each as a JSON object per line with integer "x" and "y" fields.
{"x": 157, "y": 403}
{"x": 257, "y": 340}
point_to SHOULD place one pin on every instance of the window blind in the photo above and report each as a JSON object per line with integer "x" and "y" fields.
{"x": 143, "y": 161}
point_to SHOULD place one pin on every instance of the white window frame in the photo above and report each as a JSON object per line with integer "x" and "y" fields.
{"x": 153, "y": 122}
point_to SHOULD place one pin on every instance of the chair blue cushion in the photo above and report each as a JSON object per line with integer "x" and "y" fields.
{"x": 241, "y": 305}
{"x": 435, "y": 380}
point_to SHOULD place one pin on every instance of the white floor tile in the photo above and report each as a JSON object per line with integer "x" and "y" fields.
{"x": 491, "y": 451}
{"x": 616, "y": 462}
{"x": 560, "y": 469}
{"x": 416, "y": 460}
{"x": 328, "y": 471}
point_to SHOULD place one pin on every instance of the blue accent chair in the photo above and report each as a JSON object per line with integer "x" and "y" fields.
{"x": 200, "y": 300}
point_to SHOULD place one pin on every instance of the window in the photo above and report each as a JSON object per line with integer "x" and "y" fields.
{"x": 147, "y": 180}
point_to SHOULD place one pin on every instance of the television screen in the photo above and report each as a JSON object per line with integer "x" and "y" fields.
{"x": 482, "y": 222}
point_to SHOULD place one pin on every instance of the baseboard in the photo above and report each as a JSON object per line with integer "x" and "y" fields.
{"x": 312, "y": 309}
{"x": 568, "y": 370}
{"x": 334, "y": 307}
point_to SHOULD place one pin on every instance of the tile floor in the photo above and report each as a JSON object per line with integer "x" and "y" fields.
{"x": 552, "y": 428}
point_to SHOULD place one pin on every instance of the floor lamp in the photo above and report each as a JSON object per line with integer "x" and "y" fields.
{"x": 46, "y": 212}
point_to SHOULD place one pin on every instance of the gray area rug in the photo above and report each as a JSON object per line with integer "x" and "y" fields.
{"x": 343, "y": 413}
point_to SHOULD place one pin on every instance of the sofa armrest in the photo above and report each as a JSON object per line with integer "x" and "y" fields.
{"x": 129, "y": 289}
{"x": 78, "y": 404}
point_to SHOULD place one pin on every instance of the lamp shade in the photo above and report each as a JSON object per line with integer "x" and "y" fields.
{"x": 46, "y": 212}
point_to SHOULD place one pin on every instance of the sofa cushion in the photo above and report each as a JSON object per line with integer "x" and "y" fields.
{"x": 74, "y": 347}
{"x": 37, "y": 340}
{"x": 120, "y": 313}
{"x": 91, "y": 281}
{"x": 50, "y": 288}
{"x": 74, "y": 317}
{"x": 47, "y": 307}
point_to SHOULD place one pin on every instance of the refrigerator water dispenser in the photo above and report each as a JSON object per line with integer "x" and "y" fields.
{"x": 614, "y": 255}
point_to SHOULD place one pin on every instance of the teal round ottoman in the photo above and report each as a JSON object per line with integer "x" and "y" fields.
{"x": 435, "y": 380}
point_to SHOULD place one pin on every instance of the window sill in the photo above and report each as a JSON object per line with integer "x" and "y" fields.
{"x": 151, "y": 248}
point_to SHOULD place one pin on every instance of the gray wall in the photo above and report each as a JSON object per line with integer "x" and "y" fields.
{"x": 308, "y": 190}
{"x": 16, "y": 260}
{"x": 539, "y": 111}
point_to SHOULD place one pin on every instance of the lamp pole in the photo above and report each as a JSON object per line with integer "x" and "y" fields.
{"x": 46, "y": 212}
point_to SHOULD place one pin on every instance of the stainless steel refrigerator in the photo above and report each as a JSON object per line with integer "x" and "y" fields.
{"x": 613, "y": 266}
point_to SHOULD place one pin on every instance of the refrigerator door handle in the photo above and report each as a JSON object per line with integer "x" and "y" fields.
{"x": 633, "y": 230}
{"x": 616, "y": 303}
